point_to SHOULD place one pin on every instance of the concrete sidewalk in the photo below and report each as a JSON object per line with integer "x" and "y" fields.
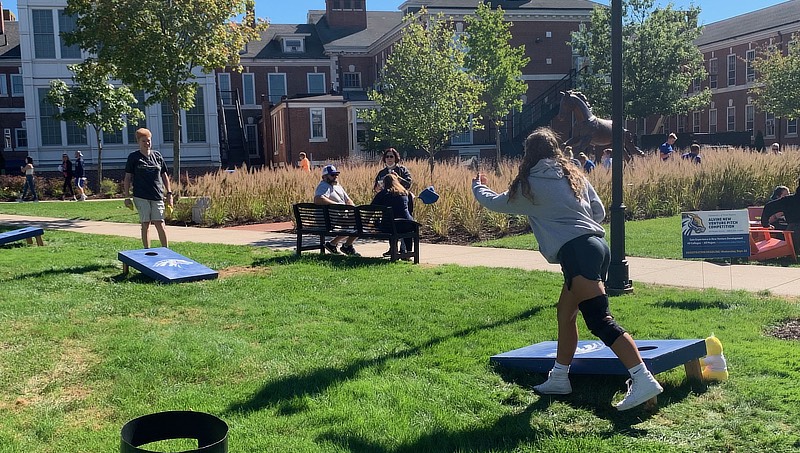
{"x": 691, "y": 274}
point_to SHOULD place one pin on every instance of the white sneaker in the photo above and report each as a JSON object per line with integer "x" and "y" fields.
{"x": 556, "y": 384}
{"x": 639, "y": 391}
{"x": 83, "y": 197}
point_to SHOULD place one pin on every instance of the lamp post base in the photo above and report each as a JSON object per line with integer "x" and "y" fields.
{"x": 618, "y": 282}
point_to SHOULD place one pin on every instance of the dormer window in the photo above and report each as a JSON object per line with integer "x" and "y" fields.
{"x": 293, "y": 45}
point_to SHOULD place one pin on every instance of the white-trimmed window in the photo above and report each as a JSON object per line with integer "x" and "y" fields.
{"x": 681, "y": 123}
{"x": 769, "y": 124}
{"x": 44, "y": 45}
{"x": 695, "y": 121}
{"x": 67, "y": 24}
{"x": 22, "y": 137}
{"x": 49, "y": 127}
{"x": 316, "y": 82}
{"x": 196, "y": 119}
{"x": 464, "y": 137}
{"x": 293, "y": 45}
{"x": 696, "y": 84}
{"x": 76, "y": 135}
{"x": 112, "y": 137}
{"x": 16, "y": 85}
{"x": 139, "y": 95}
{"x": 167, "y": 129}
{"x": 277, "y": 87}
{"x": 731, "y": 70}
{"x": 351, "y": 80}
{"x": 712, "y": 121}
{"x": 791, "y": 127}
{"x": 225, "y": 92}
{"x": 751, "y": 71}
{"x": 3, "y": 85}
{"x": 248, "y": 89}
{"x": 731, "y": 113}
{"x": 317, "y": 120}
{"x": 749, "y": 117}
{"x": 713, "y": 68}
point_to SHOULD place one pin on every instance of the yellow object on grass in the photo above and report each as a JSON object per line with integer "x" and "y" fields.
{"x": 715, "y": 367}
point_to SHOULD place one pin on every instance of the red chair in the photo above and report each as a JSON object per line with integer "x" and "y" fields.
{"x": 764, "y": 247}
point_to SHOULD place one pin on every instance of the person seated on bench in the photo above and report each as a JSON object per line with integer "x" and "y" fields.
{"x": 778, "y": 220}
{"x": 790, "y": 206}
{"x": 398, "y": 198}
{"x": 329, "y": 191}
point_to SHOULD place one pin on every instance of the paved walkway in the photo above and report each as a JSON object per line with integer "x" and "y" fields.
{"x": 691, "y": 274}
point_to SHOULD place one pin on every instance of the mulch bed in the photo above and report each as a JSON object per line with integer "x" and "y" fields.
{"x": 788, "y": 330}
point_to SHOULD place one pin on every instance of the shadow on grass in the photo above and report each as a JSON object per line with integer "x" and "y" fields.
{"x": 63, "y": 270}
{"x": 694, "y": 304}
{"x": 345, "y": 262}
{"x": 283, "y": 391}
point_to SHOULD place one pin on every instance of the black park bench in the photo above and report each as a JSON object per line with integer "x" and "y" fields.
{"x": 365, "y": 222}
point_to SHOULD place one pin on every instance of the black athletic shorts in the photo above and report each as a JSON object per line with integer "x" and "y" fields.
{"x": 587, "y": 256}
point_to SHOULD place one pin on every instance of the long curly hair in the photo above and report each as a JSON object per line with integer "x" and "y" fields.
{"x": 543, "y": 144}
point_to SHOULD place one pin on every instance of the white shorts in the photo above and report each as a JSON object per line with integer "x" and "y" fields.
{"x": 149, "y": 210}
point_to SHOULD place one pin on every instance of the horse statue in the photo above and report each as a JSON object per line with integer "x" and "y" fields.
{"x": 588, "y": 129}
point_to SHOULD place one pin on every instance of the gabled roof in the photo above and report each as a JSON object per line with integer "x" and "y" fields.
{"x": 509, "y": 5}
{"x": 379, "y": 23}
{"x": 270, "y": 45}
{"x": 773, "y": 17}
{"x": 9, "y": 42}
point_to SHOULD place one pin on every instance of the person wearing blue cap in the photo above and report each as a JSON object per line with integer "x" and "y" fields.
{"x": 329, "y": 191}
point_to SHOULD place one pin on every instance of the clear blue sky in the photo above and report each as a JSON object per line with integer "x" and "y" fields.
{"x": 294, "y": 11}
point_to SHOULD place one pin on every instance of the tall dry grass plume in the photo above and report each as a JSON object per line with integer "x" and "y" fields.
{"x": 726, "y": 179}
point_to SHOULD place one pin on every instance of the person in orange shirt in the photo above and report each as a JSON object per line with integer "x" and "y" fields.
{"x": 304, "y": 163}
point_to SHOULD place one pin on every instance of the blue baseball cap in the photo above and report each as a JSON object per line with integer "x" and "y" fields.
{"x": 329, "y": 170}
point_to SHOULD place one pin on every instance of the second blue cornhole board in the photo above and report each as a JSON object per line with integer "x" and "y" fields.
{"x": 164, "y": 265}
{"x": 593, "y": 357}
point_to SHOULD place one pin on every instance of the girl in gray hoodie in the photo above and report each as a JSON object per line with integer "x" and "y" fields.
{"x": 565, "y": 214}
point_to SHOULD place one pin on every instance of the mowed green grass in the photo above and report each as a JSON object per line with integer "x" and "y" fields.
{"x": 332, "y": 354}
{"x": 102, "y": 210}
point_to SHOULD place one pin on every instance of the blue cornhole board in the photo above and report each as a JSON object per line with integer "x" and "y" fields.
{"x": 593, "y": 357}
{"x": 164, "y": 265}
{"x": 22, "y": 233}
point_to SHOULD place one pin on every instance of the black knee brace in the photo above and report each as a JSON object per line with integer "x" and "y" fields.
{"x": 599, "y": 320}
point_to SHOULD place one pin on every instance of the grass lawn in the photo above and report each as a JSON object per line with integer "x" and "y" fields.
{"x": 333, "y": 354}
{"x": 102, "y": 210}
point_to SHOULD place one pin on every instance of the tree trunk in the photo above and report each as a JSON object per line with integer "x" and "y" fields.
{"x": 176, "y": 145}
{"x": 99, "y": 160}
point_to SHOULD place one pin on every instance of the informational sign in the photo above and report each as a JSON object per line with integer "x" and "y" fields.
{"x": 716, "y": 234}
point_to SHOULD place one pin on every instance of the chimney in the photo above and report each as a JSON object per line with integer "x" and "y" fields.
{"x": 346, "y": 13}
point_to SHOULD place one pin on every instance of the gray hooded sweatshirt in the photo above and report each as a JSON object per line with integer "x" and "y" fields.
{"x": 556, "y": 217}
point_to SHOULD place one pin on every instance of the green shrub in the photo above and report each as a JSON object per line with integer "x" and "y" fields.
{"x": 109, "y": 188}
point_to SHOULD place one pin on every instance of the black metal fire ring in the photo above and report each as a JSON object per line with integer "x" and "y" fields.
{"x": 211, "y": 432}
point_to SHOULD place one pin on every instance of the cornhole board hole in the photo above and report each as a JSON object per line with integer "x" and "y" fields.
{"x": 27, "y": 233}
{"x": 210, "y": 432}
{"x": 593, "y": 357}
{"x": 164, "y": 265}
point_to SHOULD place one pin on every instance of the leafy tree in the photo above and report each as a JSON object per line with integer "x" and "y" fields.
{"x": 94, "y": 101}
{"x": 425, "y": 95}
{"x": 660, "y": 60}
{"x": 777, "y": 86}
{"x": 495, "y": 64}
{"x": 158, "y": 46}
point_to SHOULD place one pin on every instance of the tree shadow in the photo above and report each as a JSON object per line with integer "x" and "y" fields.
{"x": 283, "y": 391}
{"x": 347, "y": 262}
{"x": 694, "y": 304}
{"x": 64, "y": 270}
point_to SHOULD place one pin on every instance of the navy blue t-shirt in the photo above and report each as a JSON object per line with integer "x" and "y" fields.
{"x": 147, "y": 171}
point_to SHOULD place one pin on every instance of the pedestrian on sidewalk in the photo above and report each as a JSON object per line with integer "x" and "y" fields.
{"x": 30, "y": 184}
{"x": 148, "y": 172}
{"x": 80, "y": 175}
{"x": 66, "y": 169}
{"x": 565, "y": 214}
